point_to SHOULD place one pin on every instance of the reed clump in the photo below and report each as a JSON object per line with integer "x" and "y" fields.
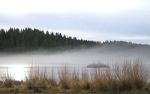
{"x": 38, "y": 80}
{"x": 130, "y": 75}
{"x": 64, "y": 78}
{"x": 75, "y": 80}
{"x": 101, "y": 80}
{"x": 127, "y": 76}
{"x": 85, "y": 79}
{"x": 7, "y": 80}
{"x": 120, "y": 77}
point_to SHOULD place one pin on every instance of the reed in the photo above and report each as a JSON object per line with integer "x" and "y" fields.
{"x": 101, "y": 80}
{"x": 131, "y": 75}
{"x": 37, "y": 79}
{"x": 7, "y": 80}
{"x": 75, "y": 80}
{"x": 85, "y": 79}
{"x": 124, "y": 76}
{"x": 64, "y": 77}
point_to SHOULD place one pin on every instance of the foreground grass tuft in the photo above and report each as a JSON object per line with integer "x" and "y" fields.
{"x": 119, "y": 79}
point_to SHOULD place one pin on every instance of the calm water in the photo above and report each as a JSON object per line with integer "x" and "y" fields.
{"x": 18, "y": 64}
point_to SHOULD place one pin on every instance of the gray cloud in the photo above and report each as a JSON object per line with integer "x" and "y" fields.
{"x": 125, "y": 23}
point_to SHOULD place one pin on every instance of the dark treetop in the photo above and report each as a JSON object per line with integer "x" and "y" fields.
{"x": 15, "y": 39}
{"x": 32, "y": 39}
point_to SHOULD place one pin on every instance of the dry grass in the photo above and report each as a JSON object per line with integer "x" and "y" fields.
{"x": 38, "y": 79}
{"x": 7, "y": 80}
{"x": 64, "y": 78}
{"x": 131, "y": 74}
{"x": 120, "y": 77}
{"x": 126, "y": 76}
{"x": 85, "y": 79}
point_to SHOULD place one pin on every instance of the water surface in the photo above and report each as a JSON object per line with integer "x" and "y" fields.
{"x": 18, "y": 64}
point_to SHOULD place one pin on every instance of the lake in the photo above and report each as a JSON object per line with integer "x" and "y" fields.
{"x": 19, "y": 64}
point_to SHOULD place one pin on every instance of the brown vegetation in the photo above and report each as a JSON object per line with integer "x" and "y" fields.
{"x": 120, "y": 77}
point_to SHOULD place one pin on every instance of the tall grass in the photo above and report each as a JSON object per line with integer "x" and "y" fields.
{"x": 119, "y": 77}
{"x": 37, "y": 79}
{"x": 126, "y": 76}
{"x": 131, "y": 74}
{"x": 85, "y": 79}
{"x": 64, "y": 77}
{"x": 102, "y": 79}
{"x": 7, "y": 80}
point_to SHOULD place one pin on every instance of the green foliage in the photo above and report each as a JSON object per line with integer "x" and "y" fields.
{"x": 26, "y": 39}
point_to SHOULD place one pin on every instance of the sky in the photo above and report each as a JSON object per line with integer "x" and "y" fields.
{"x": 99, "y": 20}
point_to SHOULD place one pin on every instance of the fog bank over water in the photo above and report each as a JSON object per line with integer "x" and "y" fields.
{"x": 104, "y": 54}
{"x": 17, "y": 64}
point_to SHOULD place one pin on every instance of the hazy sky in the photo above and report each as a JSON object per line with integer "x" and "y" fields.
{"x": 88, "y": 19}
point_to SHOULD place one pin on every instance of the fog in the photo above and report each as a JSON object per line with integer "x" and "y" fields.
{"x": 17, "y": 64}
{"x": 103, "y": 54}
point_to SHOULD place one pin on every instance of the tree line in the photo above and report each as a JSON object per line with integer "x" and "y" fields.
{"x": 28, "y": 38}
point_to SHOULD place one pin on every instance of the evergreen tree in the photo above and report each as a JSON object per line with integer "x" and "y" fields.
{"x": 28, "y": 38}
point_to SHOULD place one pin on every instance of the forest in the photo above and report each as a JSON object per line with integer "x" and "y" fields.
{"x": 31, "y": 39}
{"x": 15, "y": 39}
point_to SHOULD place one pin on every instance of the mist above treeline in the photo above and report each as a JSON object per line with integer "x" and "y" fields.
{"x": 27, "y": 39}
